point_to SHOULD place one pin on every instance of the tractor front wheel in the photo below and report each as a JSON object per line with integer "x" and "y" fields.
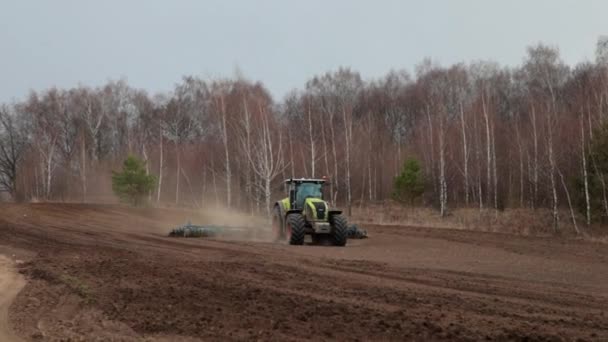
{"x": 295, "y": 229}
{"x": 338, "y": 230}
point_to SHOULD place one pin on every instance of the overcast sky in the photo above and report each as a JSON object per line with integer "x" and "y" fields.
{"x": 153, "y": 43}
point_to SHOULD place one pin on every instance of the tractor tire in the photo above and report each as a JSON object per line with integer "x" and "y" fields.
{"x": 278, "y": 230}
{"x": 339, "y": 230}
{"x": 295, "y": 229}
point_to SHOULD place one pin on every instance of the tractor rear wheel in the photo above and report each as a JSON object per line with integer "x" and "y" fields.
{"x": 295, "y": 229}
{"x": 338, "y": 230}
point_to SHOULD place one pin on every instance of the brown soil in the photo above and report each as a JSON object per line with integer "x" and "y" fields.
{"x": 110, "y": 273}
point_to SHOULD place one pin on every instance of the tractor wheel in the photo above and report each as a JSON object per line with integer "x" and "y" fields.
{"x": 277, "y": 225}
{"x": 338, "y": 230}
{"x": 295, "y": 229}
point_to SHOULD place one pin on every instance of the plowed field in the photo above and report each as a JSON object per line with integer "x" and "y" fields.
{"x": 110, "y": 273}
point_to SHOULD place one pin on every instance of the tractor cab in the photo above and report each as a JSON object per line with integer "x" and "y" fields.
{"x": 301, "y": 189}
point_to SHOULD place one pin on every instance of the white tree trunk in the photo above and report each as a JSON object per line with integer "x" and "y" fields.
{"x": 347, "y": 142}
{"x": 488, "y": 147}
{"x": 325, "y": 156}
{"x": 246, "y": 122}
{"x": 494, "y": 171}
{"x": 585, "y": 173}
{"x": 535, "y": 164}
{"x": 313, "y": 155}
{"x": 266, "y": 160}
{"x": 443, "y": 186}
{"x": 465, "y": 155}
{"x": 267, "y": 195}
{"x": 291, "y": 163}
{"x": 204, "y": 189}
{"x": 214, "y": 179}
{"x": 224, "y": 132}
{"x": 432, "y": 144}
{"x": 370, "y": 183}
{"x": 552, "y": 170}
{"x": 193, "y": 196}
{"x": 147, "y": 161}
{"x": 178, "y": 173}
{"x": 603, "y": 182}
{"x": 521, "y": 163}
{"x": 572, "y": 215}
{"x": 160, "y": 167}
{"x": 370, "y": 152}
{"x": 333, "y": 148}
{"x": 478, "y": 158}
{"x": 49, "y": 171}
{"x": 83, "y": 168}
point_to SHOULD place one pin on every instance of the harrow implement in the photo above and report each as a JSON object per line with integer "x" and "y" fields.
{"x": 192, "y": 230}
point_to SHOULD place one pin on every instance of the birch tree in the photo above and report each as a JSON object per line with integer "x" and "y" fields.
{"x": 179, "y": 128}
{"x": 219, "y": 92}
{"x": 546, "y": 74}
{"x": 266, "y": 157}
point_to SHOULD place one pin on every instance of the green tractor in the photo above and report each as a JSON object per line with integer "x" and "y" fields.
{"x": 305, "y": 212}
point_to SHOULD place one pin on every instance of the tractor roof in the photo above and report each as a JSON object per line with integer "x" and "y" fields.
{"x": 305, "y": 180}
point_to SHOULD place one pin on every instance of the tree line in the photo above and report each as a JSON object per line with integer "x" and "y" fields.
{"x": 485, "y": 136}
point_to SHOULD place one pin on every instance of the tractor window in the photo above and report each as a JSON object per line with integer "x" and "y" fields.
{"x": 307, "y": 190}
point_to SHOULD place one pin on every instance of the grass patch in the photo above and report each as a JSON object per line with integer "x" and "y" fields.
{"x": 78, "y": 287}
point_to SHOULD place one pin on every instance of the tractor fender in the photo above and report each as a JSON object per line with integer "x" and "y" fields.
{"x": 285, "y": 207}
{"x": 279, "y": 207}
{"x": 334, "y": 212}
{"x": 293, "y": 211}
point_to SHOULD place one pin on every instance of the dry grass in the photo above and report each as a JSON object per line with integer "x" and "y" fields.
{"x": 526, "y": 222}
{"x": 597, "y": 239}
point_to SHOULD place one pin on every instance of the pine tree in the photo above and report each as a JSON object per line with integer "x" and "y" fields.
{"x": 409, "y": 184}
{"x": 598, "y": 177}
{"x": 133, "y": 183}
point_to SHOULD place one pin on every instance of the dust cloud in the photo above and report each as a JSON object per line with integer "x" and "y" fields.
{"x": 238, "y": 225}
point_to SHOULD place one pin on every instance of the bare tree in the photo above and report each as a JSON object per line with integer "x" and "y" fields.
{"x": 161, "y": 134}
{"x": 546, "y": 73}
{"x": 178, "y": 127}
{"x": 218, "y": 92}
{"x": 44, "y": 116}
{"x": 584, "y": 169}
{"x": 266, "y": 157}
{"x": 13, "y": 143}
{"x": 486, "y": 135}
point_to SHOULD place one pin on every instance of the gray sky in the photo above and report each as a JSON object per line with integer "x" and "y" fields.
{"x": 282, "y": 43}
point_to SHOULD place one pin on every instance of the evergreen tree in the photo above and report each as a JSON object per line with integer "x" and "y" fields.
{"x": 132, "y": 184}
{"x": 409, "y": 184}
{"x": 598, "y": 173}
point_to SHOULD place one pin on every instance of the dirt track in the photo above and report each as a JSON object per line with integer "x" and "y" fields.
{"x": 11, "y": 283}
{"x": 110, "y": 273}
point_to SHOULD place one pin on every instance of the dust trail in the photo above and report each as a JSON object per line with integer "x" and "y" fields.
{"x": 11, "y": 282}
{"x": 253, "y": 228}
{"x": 235, "y": 225}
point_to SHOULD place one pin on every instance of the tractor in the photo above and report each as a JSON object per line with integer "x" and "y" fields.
{"x": 305, "y": 212}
